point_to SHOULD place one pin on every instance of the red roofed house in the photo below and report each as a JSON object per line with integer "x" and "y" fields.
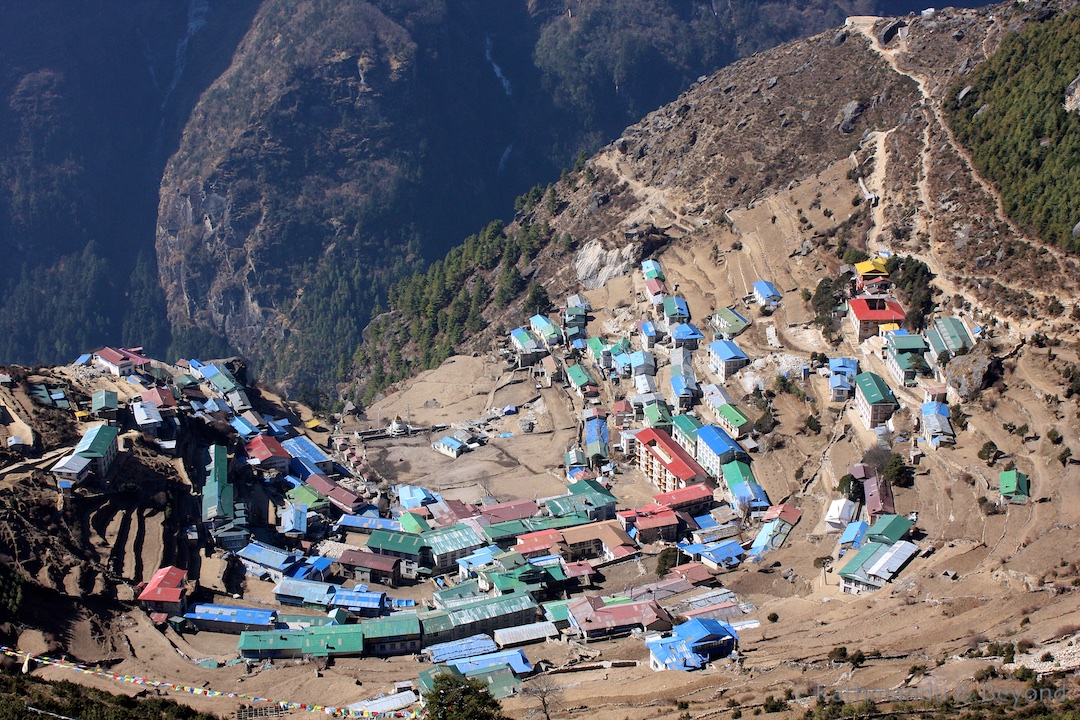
{"x": 369, "y": 567}
{"x": 114, "y": 361}
{"x": 665, "y": 463}
{"x": 162, "y": 398}
{"x": 592, "y": 619}
{"x": 268, "y": 453}
{"x": 344, "y": 499}
{"x": 650, "y": 524}
{"x": 867, "y": 314}
{"x": 694, "y": 573}
{"x": 541, "y": 542}
{"x": 166, "y": 592}
{"x": 788, "y": 513}
{"x": 693, "y": 499}
{"x": 656, "y": 289}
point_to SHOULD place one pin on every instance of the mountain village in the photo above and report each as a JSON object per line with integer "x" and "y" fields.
{"x": 320, "y": 557}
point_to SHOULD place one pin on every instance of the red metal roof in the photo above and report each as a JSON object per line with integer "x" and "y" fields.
{"x": 684, "y": 496}
{"x": 655, "y": 286}
{"x": 539, "y": 540}
{"x": 167, "y": 585}
{"x": 264, "y": 447}
{"x": 876, "y": 310}
{"x": 591, "y": 614}
{"x": 161, "y": 397}
{"x": 513, "y": 510}
{"x": 111, "y": 356}
{"x": 670, "y": 454}
{"x": 788, "y": 513}
{"x": 692, "y": 572}
{"x": 369, "y": 560}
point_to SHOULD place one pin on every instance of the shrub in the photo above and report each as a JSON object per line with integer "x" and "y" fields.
{"x": 773, "y": 705}
{"x": 1024, "y": 674}
{"x": 773, "y": 617}
{"x": 838, "y": 654}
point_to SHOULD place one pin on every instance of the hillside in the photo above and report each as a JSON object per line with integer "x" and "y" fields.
{"x": 384, "y": 132}
{"x": 729, "y": 143}
{"x": 1015, "y": 117}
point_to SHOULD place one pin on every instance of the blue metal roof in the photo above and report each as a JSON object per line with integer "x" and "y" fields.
{"x": 720, "y": 443}
{"x": 750, "y": 494}
{"x": 310, "y": 592}
{"x": 460, "y": 649}
{"x": 243, "y": 428}
{"x": 231, "y": 614}
{"x": 853, "y": 533}
{"x": 359, "y": 600}
{"x": 268, "y": 556}
{"x": 451, "y": 442}
{"x": 478, "y": 558}
{"x": 294, "y": 520}
{"x": 844, "y": 365}
{"x": 596, "y": 429}
{"x": 693, "y": 644}
{"x": 365, "y": 522}
{"x": 839, "y": 382}
{"x": 514, "y": 658}
{"x": 83, "y": 359}
{"x": 686, "y": 331}
{"x": 766, "y": 289}
{"x": 412, "y": 496}
{"x": 304, "y": 468}
{"x": 648, "y": 329}
{"x": 705, "y": 521}
{"x": 311, "y": 566}
{"x": 681, "y": 386}
{"x": 302, "y": 448}
{"x": 727, "y": 350}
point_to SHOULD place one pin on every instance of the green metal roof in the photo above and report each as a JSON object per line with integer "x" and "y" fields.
{"x": 435, "y": 622}
{"x": 395, "y": 625}
{"x": 262, "y": 640}
{"x": 734, "y": 416}
{"x": 1014, "y": 482}
{"x": 578, "y": 375}
{"x": 306, "y": 495}
{"x": 570, "y": 515}
{"x": 907, "y": 343}
{"x": 218, "y": 494}
{"x": 490, "y": 608}
{"x": 406, "y": 543}
{"x": 736, "y": 472}
{"x": 688, "y": 425}
{"x": 953, "y": 333}
{"x": 324, "y": 640}
{"x": 455, "y": 538}
{"x": 96, "y": 441}
{"x": 658, "y": 416}
{"x": 413, "y": 523}
{"x": 874, "y": 388}
{"x": 103, "y": 400}
{"x": 852, "y": 569}
{"x": 464, "y": 590}
{"x": 596, "y": 346}
{"x": 934, "y": 339}
{"x": 556, "y": 611}
{"x": 889, "y": 529}
{"x": 728, "y": 322}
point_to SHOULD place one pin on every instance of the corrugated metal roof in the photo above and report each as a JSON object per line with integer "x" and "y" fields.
{"x": 515, "y": 659}
{"x": 521, "y": 634}
{"x": 302, "y": 447}
{"x": 394, "y": 625}
{"x": 231, "y": 614}
{"x": 456, "y": 649}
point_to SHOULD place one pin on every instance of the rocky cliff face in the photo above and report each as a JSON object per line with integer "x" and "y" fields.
{"x": 347, "y": 144}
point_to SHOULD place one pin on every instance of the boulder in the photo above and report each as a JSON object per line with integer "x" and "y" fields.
{"x": 970, "y": 374}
